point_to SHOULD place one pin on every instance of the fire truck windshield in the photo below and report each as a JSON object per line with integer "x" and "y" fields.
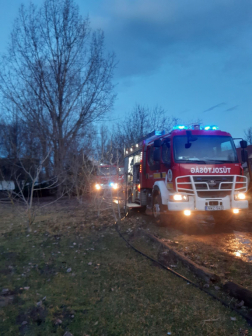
{"x": 204, "y": 149}
{"x": 107, "y": 171}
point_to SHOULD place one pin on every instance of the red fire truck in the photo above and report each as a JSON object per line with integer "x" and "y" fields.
{"x": 109, "y": 177}
{"x": 191, "y": 169}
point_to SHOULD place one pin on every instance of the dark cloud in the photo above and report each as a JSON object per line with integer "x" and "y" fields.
{"x": 146, "y": 34}
{"x": 214, "y": 107}
{"x": 232, "y": 108}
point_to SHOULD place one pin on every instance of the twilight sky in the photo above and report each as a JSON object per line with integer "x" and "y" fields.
{"x": 193, "y": 58}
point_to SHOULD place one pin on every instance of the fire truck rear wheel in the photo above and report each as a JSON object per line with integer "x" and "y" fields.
{"x": 129, "y": 196}
{"x": 158, "y": 210}
{"x": 126, "y": 210}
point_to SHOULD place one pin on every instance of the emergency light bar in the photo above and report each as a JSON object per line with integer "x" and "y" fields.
{"x": 196, "y": 127}
{"x": 180, "y": 127}
{"x": 212, "y": 128}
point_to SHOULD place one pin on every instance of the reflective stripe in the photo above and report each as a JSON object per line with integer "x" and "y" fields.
{"x": 158, "y": 175}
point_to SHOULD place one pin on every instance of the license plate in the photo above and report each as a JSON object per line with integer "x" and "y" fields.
{"x": 214, "y": 207}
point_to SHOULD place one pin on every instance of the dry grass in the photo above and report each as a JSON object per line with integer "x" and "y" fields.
{"x": 120, "y": 293}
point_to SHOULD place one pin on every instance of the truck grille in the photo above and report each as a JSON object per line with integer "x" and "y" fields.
{"x": 214, "y": 186}
{"x": 214, "y": 194}
{"x": 213, "y": 182}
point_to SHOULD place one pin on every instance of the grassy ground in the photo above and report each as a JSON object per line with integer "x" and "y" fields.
{"x": 73, "y": 273}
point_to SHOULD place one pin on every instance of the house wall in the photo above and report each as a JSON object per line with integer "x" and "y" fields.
{"x": 7, "y": 185}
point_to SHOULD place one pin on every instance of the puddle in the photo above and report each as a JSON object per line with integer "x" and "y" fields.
{"x": 240, "y": 236}
{"x": 236, "y": 243}
{"x": 243, "y": 246}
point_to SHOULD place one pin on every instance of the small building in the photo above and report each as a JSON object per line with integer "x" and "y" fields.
{"x": 15, "y": 170}
{"x": 7, "y": 185}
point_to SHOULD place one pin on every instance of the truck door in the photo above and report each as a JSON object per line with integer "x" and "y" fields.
{"x": 128, "y": 173}
{"x": 136, "y": 182}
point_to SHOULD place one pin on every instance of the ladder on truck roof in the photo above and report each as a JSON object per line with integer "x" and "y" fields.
{"x": 151, "y": 134}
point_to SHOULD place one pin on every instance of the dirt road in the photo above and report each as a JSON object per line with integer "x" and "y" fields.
{"x": 226, "y": 250}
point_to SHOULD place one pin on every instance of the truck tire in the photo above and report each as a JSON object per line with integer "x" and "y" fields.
{"x": 129, "y": 196}
{"x": 158, "y": 211}
{"x": 127, "y": 211}
{"x": 127, "y": 199}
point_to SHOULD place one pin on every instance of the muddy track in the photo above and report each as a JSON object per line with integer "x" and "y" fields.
{"x": 226, "y": 249}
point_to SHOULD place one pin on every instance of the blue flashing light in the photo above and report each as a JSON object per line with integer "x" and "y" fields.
{"x": 214, "y": 128}
{"x": 111, "y": 184}
{"x": 180, "y": 127}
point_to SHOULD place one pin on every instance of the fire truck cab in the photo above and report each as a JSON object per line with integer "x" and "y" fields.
{"x": 191, "y": 169}
{"x": 109, "y": 177}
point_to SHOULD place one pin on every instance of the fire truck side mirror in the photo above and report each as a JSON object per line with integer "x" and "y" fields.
{"x": 243, "y": 144}
{"x": 157, "y": 143}
{"x": 156, "y": 155}
{"x": 190, "y": 138}
{"x": 244, "y": 155}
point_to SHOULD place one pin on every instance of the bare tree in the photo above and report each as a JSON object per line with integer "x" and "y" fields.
{"x": 33, "y": 175}
{"x": 26, "y": 175}
{"x": 81, "y": 168}
{"x": 248, "y": 135}
{"x": 102, "y": 143}
{"x": 141, "y": 121}
{"x": 56, "y": 74}
{"x": 18, "y": 138}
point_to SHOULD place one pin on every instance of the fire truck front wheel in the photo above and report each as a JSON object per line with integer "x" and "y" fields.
{"x": 158, "y": 211}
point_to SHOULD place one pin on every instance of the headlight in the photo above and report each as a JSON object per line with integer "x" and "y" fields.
{"x": 187, "y": 212}
{"x": 240, "y": 196}
{"x": 97, "y": 186}
{"x": 178, "y": 198}
{"x": 115, "y": 186}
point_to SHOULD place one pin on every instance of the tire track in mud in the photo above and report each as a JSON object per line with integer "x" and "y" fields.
{"x": 226, "y": 250}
